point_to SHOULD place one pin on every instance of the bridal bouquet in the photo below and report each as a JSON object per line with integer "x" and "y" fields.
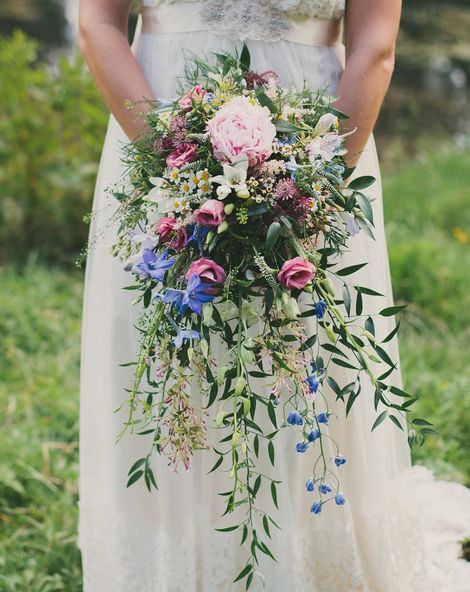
{"x": 234, "y": 212}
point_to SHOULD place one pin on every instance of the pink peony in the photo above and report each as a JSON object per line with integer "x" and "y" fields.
{"x": 296, "y": 273}
{"x": 211, "y": 213}
{"x": 240, "y": 127}
{"x": 181, "y": 155}
{"x": 209, "y": 271}
{"x": 196, "y": 93}
{"x": 170, "y": 234}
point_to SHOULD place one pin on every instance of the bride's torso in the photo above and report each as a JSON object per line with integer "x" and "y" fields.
{"x": 300, "y": 39}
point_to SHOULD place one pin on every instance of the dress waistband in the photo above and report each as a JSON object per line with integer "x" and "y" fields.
{"x": 185, "y": 18}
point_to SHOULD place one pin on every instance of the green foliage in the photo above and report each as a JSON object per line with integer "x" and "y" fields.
{"x": 39, "y": 324}
{"x": 51, "y": 129}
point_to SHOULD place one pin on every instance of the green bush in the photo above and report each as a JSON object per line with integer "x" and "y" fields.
{"x": 52, "y": 124}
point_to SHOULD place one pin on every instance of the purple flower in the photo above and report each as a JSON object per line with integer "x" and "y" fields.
{"x": 339, "y": 460}
{"x": 286, "y": 189}
{"x": 316, "y": 508}
{"x": 294, "y": 418}
{"x": 314, "y": 435}
{"x": 310, "y": 485}
{"x": 313, "y": 382}
{"x": 324, "y": 488}
{"x": 301, "y": 447}
{"x": 320, "y": 308}
{"x": 340, "y": 499}
{"x": 197, "y": 234}
{"x": 184, "y": 335}
{"x": 154, "y": 265}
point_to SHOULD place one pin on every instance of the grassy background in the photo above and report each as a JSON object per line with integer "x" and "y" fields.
{"x": 428, "y": 217}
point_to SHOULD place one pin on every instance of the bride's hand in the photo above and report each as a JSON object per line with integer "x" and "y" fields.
{"x": 104, "y": 44}
{"x": 371, "y": 28}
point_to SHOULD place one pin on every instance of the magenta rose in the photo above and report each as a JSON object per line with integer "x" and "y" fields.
{"x": 211, "y": 213}
{"x": 296, "y": 273}
{"x": 170, "y": 234}
{"x": 209, "y": 271}
{"x": 241, "y": 127}
{"x": 181, "y": 155}
{"x": 195, "y": 94}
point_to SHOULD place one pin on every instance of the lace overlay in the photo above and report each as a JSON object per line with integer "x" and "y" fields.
{"x": 262, "y": 20}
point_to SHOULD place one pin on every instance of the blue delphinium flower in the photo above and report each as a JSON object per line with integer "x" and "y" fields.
{"x": 197, "y": 234}
{"x": 184, "y": 335}
{"x": 323, "y": 417}
{"x": 316, "y": 508}
{"x": 301, "y": 447}
{"x": 314, "y": 435}
{"x": 324, "y": 488}
{"x": 340, "y": 499}
{"x": 313, "y": 382}
{"x": 193, "y": 297}
{"x": 154, "y": 265}
{"x": 320, "y": 308}
{"x": 310, "y": 485}
{"x": 339, "y": 460}
{"x": 294, "y": 418}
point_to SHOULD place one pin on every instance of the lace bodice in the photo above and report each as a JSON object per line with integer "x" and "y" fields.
{"x": 265, "y": 19}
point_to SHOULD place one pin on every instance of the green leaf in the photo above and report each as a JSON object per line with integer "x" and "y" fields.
{"x": 274, "y": 494}
{"x": 308, "y": 343}
{"x": 136, "y": 465}
{"x": 256, "y": 445}
{"x": 421, "y": 422}
{"x": 347, "y": 299}
{"x": 216, "y": 465}
{"x": 245, "y": 58}
{"x": 351, "y": 269}
{"x": 396, "y": 421}
{"x": 272, "y": 236}
{"x": 369, "y": 326}
{"x": 344, "y": 364}
{"x": 366, "y": 206}
{"x": 385, "y": 357}
{"x": 334, "y": 385}
{"x": 135, "y": 477}
{"x": 227, "y": 528}
{"x": 359, "y": 303}
{"x": 266, "y": 525}
{"x": 272, "y": 414}
{"x": 265, "y": 101}
{"x": 361, "y": 182}
{"x": 244, "y": 572}
{"x": 271, "y": 452}
{"x": 283, "y": 126}
{"x": 257, "y": 484}
{"x": 391, "y": 310}
{"x": 379, "y": 419}
{"x": 392, "y": 333}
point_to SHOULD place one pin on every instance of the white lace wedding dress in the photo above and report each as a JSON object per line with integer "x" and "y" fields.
{"x": 399, "y": 529}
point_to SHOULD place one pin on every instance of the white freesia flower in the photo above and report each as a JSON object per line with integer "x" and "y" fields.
{"x": 324, "y": 147}
{"x": 325, "y": 123}
{"x": 233, "y": 178}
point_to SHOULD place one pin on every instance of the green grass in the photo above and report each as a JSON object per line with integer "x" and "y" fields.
{"x": 428, "y": 218}
{"x": 39, "y": 325}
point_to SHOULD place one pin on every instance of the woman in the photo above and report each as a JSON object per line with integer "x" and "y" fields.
{"x": 165, "y": 542}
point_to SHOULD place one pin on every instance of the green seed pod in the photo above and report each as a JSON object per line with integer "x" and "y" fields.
{"x": 204, "y": 348}
{"x": 330, "y": 333}
{"x": 229, "y": 208}
{"x": 236, "y": 436}
{"x": 219, "y": 420}
{"x": 222, "y": 227}
{"x": 221, "y": 372}
{"x": 329, "y": 287}
{"x": 246, "y": 405}
{"x": 240, "y": 385}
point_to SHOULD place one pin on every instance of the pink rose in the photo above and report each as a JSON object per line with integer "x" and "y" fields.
{"x": 195, "y": 94}
{"x": 181, "y": 156}
{"x": 241, "y": 127}
{"x": 170, "y": 234}
{"x": 211, "y": 213}
{"x": 296, "y": 273}
{"x": 209, "y": 271}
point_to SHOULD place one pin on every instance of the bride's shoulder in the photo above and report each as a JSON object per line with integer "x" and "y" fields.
{"x": 319, "y": 8}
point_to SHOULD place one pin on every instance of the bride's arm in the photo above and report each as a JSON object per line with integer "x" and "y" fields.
{"x": 103, "y": 42}
{"x": 371, "y": 28}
